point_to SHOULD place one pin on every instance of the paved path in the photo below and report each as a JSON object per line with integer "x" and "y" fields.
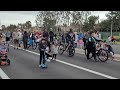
{"x": 24, "y": 65}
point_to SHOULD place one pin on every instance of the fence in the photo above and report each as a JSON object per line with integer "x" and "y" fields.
{"x": 104, "y": 35}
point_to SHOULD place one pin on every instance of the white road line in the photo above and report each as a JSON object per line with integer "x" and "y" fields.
{"x": 3, "y": 75}
{"x": 78, "y": 67}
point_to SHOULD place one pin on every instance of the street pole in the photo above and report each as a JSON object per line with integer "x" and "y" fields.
{"x": 0, "y": 25}
{"x": 111, "y": 27}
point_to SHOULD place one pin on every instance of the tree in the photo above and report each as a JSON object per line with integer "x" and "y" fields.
{"x": 3, "y": 27}
{"x": 79, "y": 17}
{"x": 90, "y": 24}
{"x": 62, "y": 17}
{"x": 114, "y": 18}
{"x": 105, "y": 25}
{"x": 49, "y": 24}
{"x": 11, "y": 27}
{"x": 28, "y": 24}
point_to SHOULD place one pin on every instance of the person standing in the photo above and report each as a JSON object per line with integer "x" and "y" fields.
{"x": 46, "y": 34}
{"x": 8, "y": 35}
{"x": 25, "y": 39}
{"x": 19, "y": 37}
{"x": 51, "y": 36}
{"x": 14, "y": 38}
{"x": 54, "y": 51}
{"x": 42, "y": 48}
{"x": 91, "y": 46}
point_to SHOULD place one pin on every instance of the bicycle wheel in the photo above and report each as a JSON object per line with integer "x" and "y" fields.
{"x": 71, "y": 51}
{"x": 102, "y": 55}
{"x": 61, "y": 49}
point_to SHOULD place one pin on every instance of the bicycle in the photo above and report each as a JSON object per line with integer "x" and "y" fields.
{"x": 66, "y": 47}
{"x": 102, "y": 54}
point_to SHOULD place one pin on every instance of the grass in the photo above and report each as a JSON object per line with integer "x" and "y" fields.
{"x": 117, "y": 43}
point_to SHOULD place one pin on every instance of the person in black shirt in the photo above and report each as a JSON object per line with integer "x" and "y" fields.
{"x": 42, "y": 48}
{"x": 25, "y": 39}
{"x": 51, "y": 36}
{"x": 91, "y": 46}
{"x": 45, "y": 33}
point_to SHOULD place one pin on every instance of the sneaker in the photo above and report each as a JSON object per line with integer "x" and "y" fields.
{"x": 48, "y": 60}
{"x": 44, "y": 66}
{"x": 96, "y": 60}
{"x": 39, "y": 65}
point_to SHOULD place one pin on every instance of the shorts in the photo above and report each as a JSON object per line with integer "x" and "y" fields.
{"x": 7, "y": 39}
{"x": 16, "y": 41}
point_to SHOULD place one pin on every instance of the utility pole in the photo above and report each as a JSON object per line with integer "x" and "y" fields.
{"x": 0, "y": 25}
{"x": 111, "y": 27}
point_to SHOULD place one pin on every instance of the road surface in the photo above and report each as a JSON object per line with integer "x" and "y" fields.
{"x": 24, "y": 65}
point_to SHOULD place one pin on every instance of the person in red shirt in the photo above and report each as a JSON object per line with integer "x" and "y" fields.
{"x": 113, "y": 38}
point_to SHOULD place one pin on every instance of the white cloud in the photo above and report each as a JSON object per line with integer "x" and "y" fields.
{"x": 15, "y": 17}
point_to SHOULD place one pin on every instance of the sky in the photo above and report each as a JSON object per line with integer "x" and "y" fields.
{"x": 15, "y": 17}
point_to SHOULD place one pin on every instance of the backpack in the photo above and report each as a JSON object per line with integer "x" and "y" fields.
{"x": 42, "y": 45}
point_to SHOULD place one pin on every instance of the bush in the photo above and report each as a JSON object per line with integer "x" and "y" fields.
{"x": 117, "y": 38}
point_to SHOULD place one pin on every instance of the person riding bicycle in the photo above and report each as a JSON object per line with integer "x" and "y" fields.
{"x": 70, "y": 38}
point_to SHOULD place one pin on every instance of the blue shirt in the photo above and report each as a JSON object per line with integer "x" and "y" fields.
{"x": 8, "y": 34}
{"x": 81, "y": 35}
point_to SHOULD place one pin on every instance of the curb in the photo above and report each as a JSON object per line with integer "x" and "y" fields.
{"x": 80, "y": 51}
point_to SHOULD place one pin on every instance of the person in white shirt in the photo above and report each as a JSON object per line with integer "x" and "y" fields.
{"x": 20, "y": 36}
{"x": 76, "y": 39}
{"x": 109, "y": 39}
{"x": 47, "y": 53}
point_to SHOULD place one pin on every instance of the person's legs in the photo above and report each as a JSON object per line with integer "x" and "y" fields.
{"x": 94, "y": 53}
{"x": 88, "y": 52}
{"x": 41, "y": 55}
{"x": 14, "y": 43}
{"x": 24, "y": 44}
{"x": 52, "y": 39}
{"x": 43, "y": 58}
{"x": 55, "y": 56}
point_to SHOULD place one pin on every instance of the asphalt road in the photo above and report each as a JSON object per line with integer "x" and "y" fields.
{"x": 24, "y": 65}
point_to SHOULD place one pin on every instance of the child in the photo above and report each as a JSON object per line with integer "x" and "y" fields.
{"x": 54, "y": 51}
{"x": 47, "y": 53}
{"x": 81, "y": 43}
{"x": 110, "y": 50}
{"x": 42, "y": 48}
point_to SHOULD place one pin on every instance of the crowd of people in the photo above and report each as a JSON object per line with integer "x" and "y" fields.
{"x": 48, "y": 42}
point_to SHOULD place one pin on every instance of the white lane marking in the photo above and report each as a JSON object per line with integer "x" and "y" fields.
{"x": 3, "y": 75}
{"x": 78, "y": 67}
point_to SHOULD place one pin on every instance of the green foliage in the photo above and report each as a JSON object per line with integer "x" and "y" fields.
{"x": 117, "y": 38}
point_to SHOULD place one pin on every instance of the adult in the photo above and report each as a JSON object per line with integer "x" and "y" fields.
{"x": 20, "y": 36}
{"x": 2, "y": 37}
{"x": 113, "y": 38}
{"x": 45, "y": 34}
{"x": 25, "y": 39}
{"x": 91, "y": 46}
{"x": 8, "y": 35}
{"x": 109, "y": 40}
{"x": 16, "y": 39}
{"x": 51, "y": 36}
{"x": 81, "y": 35}
{"x": 76, "y": 39}
{"x": 70, "y": 38}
